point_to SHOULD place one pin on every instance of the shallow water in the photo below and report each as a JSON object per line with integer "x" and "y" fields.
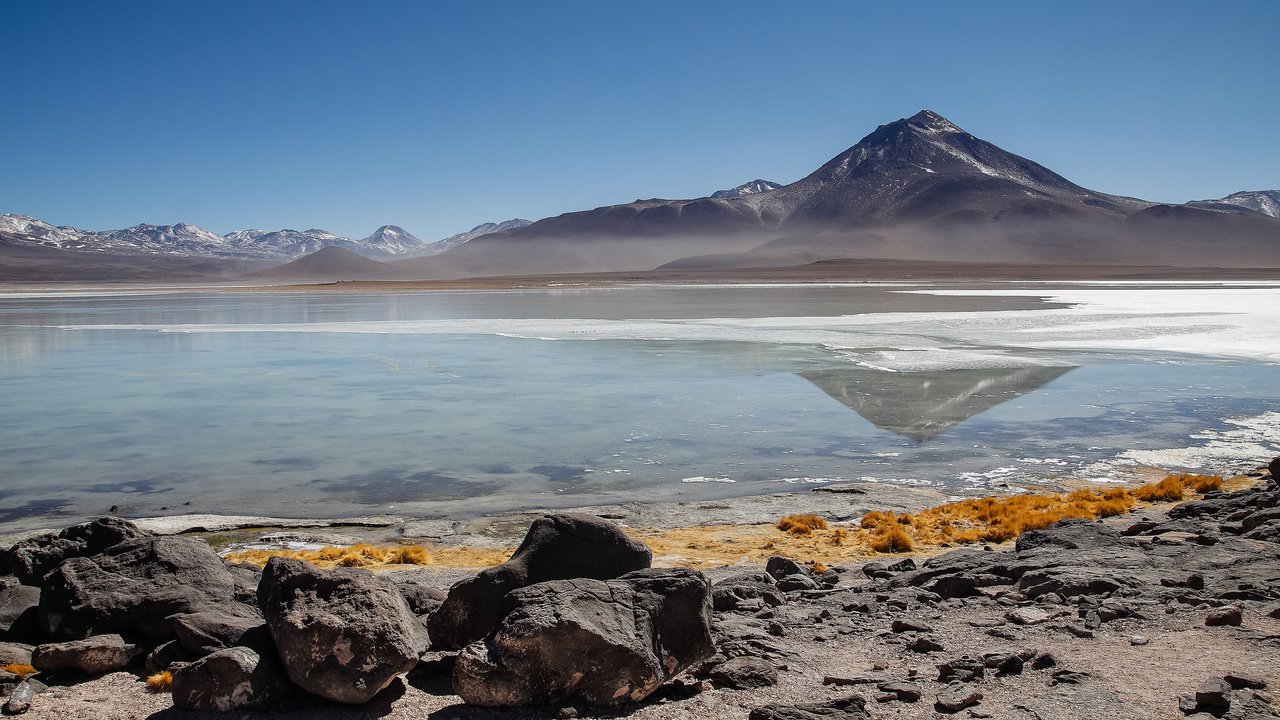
{"x": 466, "y": 402}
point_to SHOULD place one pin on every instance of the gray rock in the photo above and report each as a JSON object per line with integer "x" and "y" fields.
{"x": 97, "y": 655}
{"x": 743, "y": 673}
{"x": 925, "y": 644}
{"x": 234, "y": 678}
{"x": 798, "y": 582}
{"x": 205, "y": 632}
{"x": 15, "y": 653}
{"x": 910, "y": 625}
{"x": 1242, "y": 681}
{"x": 1229, "y": 615}
{"x": 961, "y": 669}
{"x": 956, "y": 697}
{"x": 33, "y": 558}
{"x": 850, "y": 708}
{"x": 19, "y": 611}
{"x": 557, "y": 547}
{"x": 19, "y": 700}
{"x": 1068, "y": 677}
{"x": 1028, "y": 615}
{"x": 341, "y": 634}
{"x": 605, "y": 642}
{"x": 1213, "y": 693}
{"x": 744, "y": 591}
{"x": 903, "y": 691}
{"x": 133, "y": 586}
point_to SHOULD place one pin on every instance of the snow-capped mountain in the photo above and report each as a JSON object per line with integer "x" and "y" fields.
{"x": 393, "y": 240}
{"x": 39, "y": 232}
{"x": 1266, "y": 202}
{"x": 750, "y": 188}
{"x": 186, "y": 240}
{"x": 454, "y": 241}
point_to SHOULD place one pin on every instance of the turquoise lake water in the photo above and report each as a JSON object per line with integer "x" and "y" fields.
{"x": 431, "y": 404}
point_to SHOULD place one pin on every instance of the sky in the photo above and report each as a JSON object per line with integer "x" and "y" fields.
{"x": 438, "y": 116}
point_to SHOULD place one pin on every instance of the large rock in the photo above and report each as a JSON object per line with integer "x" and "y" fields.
{"x": 96, "y": 655}
{"x": 19, "y": 613}
{"x": 234, "y": 678}
{"x": 557, "y": 547}
{"x": 205, "y": 632}
{"x": 33, "y": 558}
{"x": 12, "y": 653}
{"x": 749, "y": 592}
{"x": 604, "y": 642}
{"x": 342, "y": 634}
{"x": 132, "y": 587}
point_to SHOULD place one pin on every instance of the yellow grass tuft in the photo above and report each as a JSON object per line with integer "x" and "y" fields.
{"x": 1201, "y": 483}
{"x": 20, "y": 669}
{"x": 160, "y": 682}
{"x": 891, "y": 538}
{"x": 817, "y": 567}
{"x": 1170, "y": 488}
{"x": 362, "y": 555}
{"x": 801, "y": 524}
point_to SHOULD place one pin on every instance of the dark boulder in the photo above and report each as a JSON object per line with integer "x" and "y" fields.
{"x": 132, "y": 587}
{"x": 743, "y": 673}
{"x": 205, "y": 632}
{"x": 557, "y": 547}
{"x": 166, "y": 655}
{"x": 342, "y": 634}
{"x": 604, "y": 642}
{"x": 234, "y": 678}
{"x": 33, "y": 558}
{"x": 19, "y": 611}
{"x": 97, "y": 655}
{"x": 779, "y": 567}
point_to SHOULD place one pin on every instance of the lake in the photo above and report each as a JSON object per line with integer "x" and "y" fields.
{"x": 328, "y": 404}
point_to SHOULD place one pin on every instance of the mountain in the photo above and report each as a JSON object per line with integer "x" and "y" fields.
{"x": 393, "y": 240}
{"x": 751, "y": 188}
{"x": 454, "y": 241}
{"x": 918, "y": 188}
{"x": 1266, "y": 202}
{"x": 328, "y": 263}
{"x": 190, "y": 241}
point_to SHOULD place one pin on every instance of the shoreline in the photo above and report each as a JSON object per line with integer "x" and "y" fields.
{"x": 850, "y": 271}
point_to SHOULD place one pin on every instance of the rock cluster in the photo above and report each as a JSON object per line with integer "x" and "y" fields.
{"x": 577, "y": 618}
{"x": 574, "y": 616}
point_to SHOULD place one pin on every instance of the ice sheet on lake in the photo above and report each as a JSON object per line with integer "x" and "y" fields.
{"x": 1225, "y": 322}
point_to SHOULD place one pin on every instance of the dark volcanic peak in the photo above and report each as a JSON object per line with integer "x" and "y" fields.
{"x": 929, "y": 143}
{"x": 751, "y": 188}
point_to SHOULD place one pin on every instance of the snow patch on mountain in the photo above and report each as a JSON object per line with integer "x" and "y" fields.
{"x": 453, "y": 241}
{"x": 1266, "y": 202}
{"x": 750, "y": 188}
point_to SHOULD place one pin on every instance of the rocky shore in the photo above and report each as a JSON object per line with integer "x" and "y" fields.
{"x": 1162, "y": 613}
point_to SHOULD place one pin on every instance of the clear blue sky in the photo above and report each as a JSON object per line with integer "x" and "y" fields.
{"x": 437, "y": 116}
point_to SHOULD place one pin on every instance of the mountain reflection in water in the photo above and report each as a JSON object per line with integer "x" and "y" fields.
{"x": 924, "y": 405}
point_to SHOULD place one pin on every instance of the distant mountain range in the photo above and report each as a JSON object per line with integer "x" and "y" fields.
{"x": 184, "y": 240}
{"x": 918, "y": 188}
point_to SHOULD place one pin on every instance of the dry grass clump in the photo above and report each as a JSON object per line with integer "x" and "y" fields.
{"x": 891, "y": 538}
{"x": 1169, "y": 488}
{"x": 1201, "y": 483}
{"x": 363, "y": 555}
{"x": 20, "y": 669}
{"x": 801, "y": 524}
{"x": 160, "y": 682}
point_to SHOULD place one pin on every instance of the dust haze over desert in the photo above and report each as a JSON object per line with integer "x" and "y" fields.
{"x": 729, "y": 360}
